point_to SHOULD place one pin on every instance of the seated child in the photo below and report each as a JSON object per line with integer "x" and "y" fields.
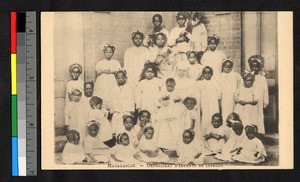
{"x": 215, "y": 136}
{"x": 233, "y": 145}
{"x": 94, "y": 147}
{"x": 73, "y": 152}
{"x": 189, "y": 151}
{"x": 148, "y": 150}
{"x": 123, "y": 151}
{"x": 144, "y": 117}
{"x": 231, "y": 119}
{"x": 253, "y": 151}
{"x": 128, "y": 122}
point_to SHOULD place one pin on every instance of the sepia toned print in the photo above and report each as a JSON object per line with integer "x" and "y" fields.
{"x": 166, "y": 90}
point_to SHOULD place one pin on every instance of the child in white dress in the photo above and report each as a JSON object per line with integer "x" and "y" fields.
{"x": 157, "y": 21}
{"x": 233, "y": 145}
{"x": 144, "y": 120}
{"x": 189, "y": 150}
{"x": 231, "y": 119}
{"x": 195, "y": 68}
{"x": 75, "y": 83}
{"x": 253, "y": 151}
{"x": 121, "y": 102}
{"x": 210, "y": 97}
{"x": 256, "y": 64}
{"x": 169, "y": 92}
{"x": 229, "y": 81}
{"x": 215, "y": 136}
{"x": 73, "y": 152}
{"x": 135, "y": 57}
{"x": 246, "y": 99}
{"x": 149, "y": 152}
{"x": 100, "y": 116}
{"x": 105, "y": 74}
{"x": 213, "y": 57}
{"x": 94, "y": 147}
{"x": 128, "y": 123}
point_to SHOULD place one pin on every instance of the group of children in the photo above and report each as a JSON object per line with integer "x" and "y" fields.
{"x": 172, "y": 95}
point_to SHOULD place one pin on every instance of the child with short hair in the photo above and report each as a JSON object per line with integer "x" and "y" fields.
{"x": 212, "y": 56}
{"x": 231, "y": 119}
{"x": 215, "y": 136}
{"x": 135, "y": 57}
{"x": 73, "y": 152}
{"x": 157, "y": 21}
{"x": 169, "y": 92}
{"x": 122, "y": 101}
{"x": 246, "y": 99}
{"x": 149, "y": 152}
{"x": 195, "y": 68}
{"x": 99, "y": 115}
{"x": 253, "y": 151}
{"x": 94, "y": 147}
{"x": 75, "y": 71}
{"x": 210, "y": 97}
{"x": 188, "y": 150}
{"x": 229, "y": 81}
{"x": 233, "y": 145}
{"x": 88, "y": 94}
{"x": 128, "y": 123}
{"x": 143, "y": 120}
{"x": 105, "y": 74}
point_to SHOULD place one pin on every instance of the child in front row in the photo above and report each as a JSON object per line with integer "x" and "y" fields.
{"x": 253, "y": 151}
{"x": 73, "y": 152}
{"x": 144, "y": 120}
{"x": 149, "y": 152}
{"x": 128, "y": 122}
{"x": 189, "y": 151}
{"x": 94, "y": 147}
{"x": 215, "y": 136}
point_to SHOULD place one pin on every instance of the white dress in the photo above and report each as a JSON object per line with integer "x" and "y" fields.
{"x": 105, "y": 82}
{"x": 70, "y": 86}
{"x": 96, "y": 147}
{"x": 260, "y": 84}
{"x": 212, "y": 144}
{"x": 73, "y": 153}
{"x": 229, "y": 82}
{"x": 210, "y": 94}
{"x": 195, "y": 71}
{"x": 198, "y": 38}
{"x": 121, "y": 103}
{"x": 134, "y": 60}
{"x": 185, "y": 122}
{"x": 131, "y": 134}
{"x": 151, "y": 32}
{"x": 185, "y": 87}
{"x": 124, "y": 154}
{"x": 213, "y": 59}
{"x": 99, "y": 116}
{"x": 187, "y": 152}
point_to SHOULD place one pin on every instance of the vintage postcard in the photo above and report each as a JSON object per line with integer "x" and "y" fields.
{"x": 167, "y": 90}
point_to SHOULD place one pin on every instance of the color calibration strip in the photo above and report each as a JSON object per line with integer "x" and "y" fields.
{"x": 23, "y": 96}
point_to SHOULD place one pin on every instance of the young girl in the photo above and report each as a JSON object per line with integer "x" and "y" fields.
{"x": 253, "y": 151}
{"x": 157, "y": 21}
{"x": 128, "y": 123}
{"x": 122, "y": 101}
{"x": 215, "y": 136}
{"x": 73, "y": 151}
{"x": 135, "y": 57}
{"x": 213, "y": 57}
{"x": 195, "y": 68}
{"x": 169, "y": 92}
{"x": 178, "y": 39}
{"x": 143, "y": 122}
{"x": 75, "y": 83}
{"x": 246, "y": 99}
{"x": 159, "y": 54}
{"x": 210, "y": 95}
{"x": 198, "y": 38}
{"x": 124, "y": 151}
{"x": 256, "y": 63}
{"x": 94, "y": 147}
{"x": 75, "y": 116}
{"x": 148, "y": 150}
{"x": 148, "y": 90}
{"x": 88, "y": 93}
{"x": 189, "y": 151}
{"x": 234, "y": 144}
{"x": 230, "y": 81}
{"x": 105, "y": 70}
{"x": 99, "y": 115}
{"x": 231, "y": 119}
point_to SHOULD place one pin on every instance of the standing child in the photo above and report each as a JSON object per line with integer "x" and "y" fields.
{"x": 94, "y": 147}
{"x": 105, "y": 74}
{"x": 135, "y": 57}
{"x": 122, "y": 101}
{"x": 195, "y": 68}
{"x": 230, "y": 81}
{"x": 73, "y": 151}
{"x": 88, "y": 94}
{"x": 210, "y": 95}
{"x": 246, "y": 99}
{"x": 253, "y": 151}
{"x": 189, "y": 151}
{"x": 213, "y": 57}
{"x": 148, "y": 90}
{"x": 157, "y": 21}
{"x": 215, "y": 136}
{"x": 99, "y": 115}
{"x": 148, "y": 149}
{"x": 260, "y": 84}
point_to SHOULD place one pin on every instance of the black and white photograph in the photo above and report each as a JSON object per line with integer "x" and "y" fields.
{"x": 166, "y": 90}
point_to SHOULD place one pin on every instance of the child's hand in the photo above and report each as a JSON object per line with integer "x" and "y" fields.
{"x": 239, "y": 150}
{"x": 256, "y": 154}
